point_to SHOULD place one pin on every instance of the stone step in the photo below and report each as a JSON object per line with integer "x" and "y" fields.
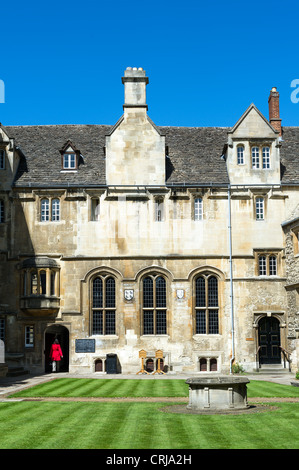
{"x": 273, "y": 369}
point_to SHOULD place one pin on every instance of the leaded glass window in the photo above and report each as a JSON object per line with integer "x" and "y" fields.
{"x": 206, "y": 305}
{"x": 103, "y": 305}
{"x": 154, "y": 305}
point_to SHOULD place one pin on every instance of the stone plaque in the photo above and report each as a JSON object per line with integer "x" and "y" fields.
{"x": 85, "y": 345}
{"x": 180, "y": 293}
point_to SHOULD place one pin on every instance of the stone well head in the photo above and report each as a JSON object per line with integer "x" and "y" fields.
{"x": 217, "y": 393}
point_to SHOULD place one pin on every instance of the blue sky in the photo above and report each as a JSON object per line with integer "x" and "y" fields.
{"x": 62, "y": 61}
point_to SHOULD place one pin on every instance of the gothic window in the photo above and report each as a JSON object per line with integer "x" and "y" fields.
{"x": 240, "y": 155}
{"x": 206, "y": 305}
{"x": 198, "y": 209}
{"x": 55, "y": 210}
{"x": 45, "y": 213}
{"x": 103, "y": 305}
{"x": 154, "y": 305}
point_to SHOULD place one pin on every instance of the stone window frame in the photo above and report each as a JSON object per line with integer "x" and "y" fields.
{"x": 95, "y": 208}
{"x": 52, "y": 211}
{"x": 240, "y": 158}
{"x": 104, "y": 276}
{"x": 258, "y": 159}
{"x": 198, "y": 211}
{"x": 29, "y": 336}
{"x": 295, "y": 237}
{"x": 268, "y": 254}
{"x": 159, "y": 208}
{"x": 154, "y": 275}
{"x": 47, "y": 281}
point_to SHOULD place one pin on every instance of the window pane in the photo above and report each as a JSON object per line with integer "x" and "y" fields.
{"x": 259, "y": 208}
{"x": 262, "y": 266}
{"x": 33, "y": 284}
{"x": 200, "y": 322}
{"x": 97, "y": 322}
{"x": 45, "y": 214}
{"x": 55, "y": 210}
{"x": 160, "y": 292}
{"x": 161, "y": 322}
{"x": 43, "y": 280}
{"x": 148, "y": 322}
{"x": 212, "y": 292}
{"x": 110, "y": 293}
{"x": 148, "y": 293}
{"x": 98, "y": 293}
{"x": 200, "y": 288}
{"x": 213, "y": 322}
{"x": 198, "y": 208}
{"x": 240, "y": 154}
{"x": 255, "y": 157}
{"x": 110, "y": 322}
{"x": 272, "y": 266}
{"x": 53, "y": 275}
{"x": 29, "y": 336}
{"x": 266, "y": 157}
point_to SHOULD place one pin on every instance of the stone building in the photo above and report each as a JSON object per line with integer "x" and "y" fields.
{"x": 138, "y": 244}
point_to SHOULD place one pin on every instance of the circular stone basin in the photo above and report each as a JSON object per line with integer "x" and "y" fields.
{"x": 208, "y": 393}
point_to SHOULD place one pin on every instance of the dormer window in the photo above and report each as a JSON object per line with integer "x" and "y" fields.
{"x": 69, "y": 161}
{"x": 264, "y": 153}
{"x": 69, "y": 157}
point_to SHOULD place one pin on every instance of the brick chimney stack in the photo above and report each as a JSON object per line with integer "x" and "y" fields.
{"x": 274, "y": 117}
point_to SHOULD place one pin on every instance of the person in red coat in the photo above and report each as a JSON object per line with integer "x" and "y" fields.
{"x": 55, "y": 355}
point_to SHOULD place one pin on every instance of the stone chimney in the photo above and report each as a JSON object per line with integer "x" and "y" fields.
{"x": 274, "y": 117}
{"x": 135, "y": 82}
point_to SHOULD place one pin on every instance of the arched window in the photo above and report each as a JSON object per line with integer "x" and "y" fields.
{"x": 154, "y": 305}
{"x": 266, "y": 158}
{"x": 262, "y": 266}
{"x": 255, "y": 157}
{"x": 206, "y": 305}
{"x": 103, "y": 305}
{"x": 55, "y": 210}
{"x": 45, "y": 210}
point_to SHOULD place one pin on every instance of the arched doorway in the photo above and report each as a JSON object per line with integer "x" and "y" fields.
{"x": 61, "y": 333}
{"x": 269, "y": 341}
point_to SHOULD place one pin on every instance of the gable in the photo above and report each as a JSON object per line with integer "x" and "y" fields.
{"x": 253, "y": 124}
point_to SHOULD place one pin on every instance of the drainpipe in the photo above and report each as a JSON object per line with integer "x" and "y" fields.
{"x": 231, "y": 278}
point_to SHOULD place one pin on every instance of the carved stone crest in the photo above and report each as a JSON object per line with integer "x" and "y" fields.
{"x": 129, "y": 294}
{"x": 180, "y": 293}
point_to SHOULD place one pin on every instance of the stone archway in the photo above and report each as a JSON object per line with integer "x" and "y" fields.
{"x": 61, "y": 333}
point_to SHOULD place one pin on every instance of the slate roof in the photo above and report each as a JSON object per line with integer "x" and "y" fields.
{"x": 194, "y": 154}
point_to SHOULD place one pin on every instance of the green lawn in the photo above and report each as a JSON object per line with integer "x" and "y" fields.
{"x": 140, "y": 388}
{"x": 123, "y": 425}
